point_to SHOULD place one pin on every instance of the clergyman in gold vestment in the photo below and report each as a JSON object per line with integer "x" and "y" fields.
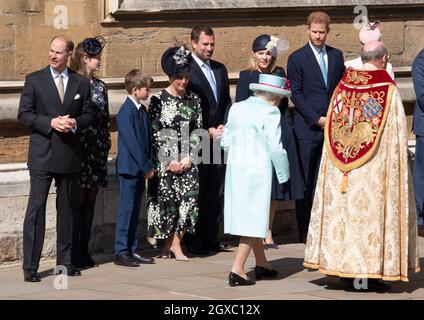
{"x": 363, "y": 220}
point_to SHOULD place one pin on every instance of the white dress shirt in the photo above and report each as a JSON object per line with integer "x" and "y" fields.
{"x": 358, "y": 64}
{"x": 316, "y": 51}
{"x": 206, "y": 68}
{"x": 137, "y": 104}
{"x": 65, "y": 75}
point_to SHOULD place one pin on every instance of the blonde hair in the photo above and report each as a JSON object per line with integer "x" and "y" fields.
{"x": 253, "y": 64}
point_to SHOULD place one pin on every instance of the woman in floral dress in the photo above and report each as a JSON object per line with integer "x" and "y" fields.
{"x": 173, "y": 193}
{"x": 95, "y": 145}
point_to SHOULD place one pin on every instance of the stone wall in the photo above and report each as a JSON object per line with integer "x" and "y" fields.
{"x": 137, "y": 32}
{"x": 137, "y": 39}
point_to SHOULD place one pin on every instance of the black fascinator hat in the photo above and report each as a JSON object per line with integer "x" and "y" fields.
{"x": 93, "y": 46}
{"x": 273, "y": 44}
{"x": 176, "y": 61}
{"x": 260, "y": 42}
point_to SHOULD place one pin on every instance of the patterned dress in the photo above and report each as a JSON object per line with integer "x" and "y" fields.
{"x": 95, "y": 140}
{"x": 172, "y": 198}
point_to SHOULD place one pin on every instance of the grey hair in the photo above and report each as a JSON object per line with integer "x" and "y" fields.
{"x": 377, "y": 54}
{"x": 267, "y": 95}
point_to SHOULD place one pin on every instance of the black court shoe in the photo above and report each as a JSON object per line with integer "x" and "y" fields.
{"x": 235, "y": 280}
{"x": 31, "y": 275}
{"x": 261, "y": 272}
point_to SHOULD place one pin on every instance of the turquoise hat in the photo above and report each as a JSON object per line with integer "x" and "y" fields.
{"x": 271, "y": 83}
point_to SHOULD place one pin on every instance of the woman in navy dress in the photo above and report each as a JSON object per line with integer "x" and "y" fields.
{"x": 95, "y": 145}
{"x": 265, "y": 49}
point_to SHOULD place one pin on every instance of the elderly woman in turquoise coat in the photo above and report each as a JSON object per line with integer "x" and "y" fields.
{"x": 252, "y": 138}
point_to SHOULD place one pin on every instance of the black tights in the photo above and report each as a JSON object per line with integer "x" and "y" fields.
{"x": 85, "y": 200}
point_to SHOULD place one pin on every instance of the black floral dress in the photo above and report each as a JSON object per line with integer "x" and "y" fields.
{"x": 172, "y": 198}
{"x": 95, "y": 140}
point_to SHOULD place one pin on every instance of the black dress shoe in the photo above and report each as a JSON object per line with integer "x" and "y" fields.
{"x": 125, "y": 261}
{"x": 71, "y": 270}
{"x": 270, "y": 246}
{"x": 378, "y": 285}
{"x": 85, "y": 262}
{"x": 346, "y": 282}
{"x": 31, "y": 275}
{"x": 235, "y": 280}
{"x": 261, "y": 272}
{"x": 88, "y": 261}
{"x": 370, "y": 284}
{"x": 142, "y": 259}
{"x": 79, "y": 264}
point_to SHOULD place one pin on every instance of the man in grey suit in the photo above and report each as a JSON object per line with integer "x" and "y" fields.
{"x": 418, "y": 129}
{"x": 55, "y": 104}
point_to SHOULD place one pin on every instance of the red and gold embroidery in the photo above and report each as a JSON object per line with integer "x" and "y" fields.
{"x": 356, "y": 118}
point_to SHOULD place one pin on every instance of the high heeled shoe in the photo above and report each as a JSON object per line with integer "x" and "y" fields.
{"x": 261, "y": 272}
{"x": 181, "y": 257}
{"x": 235, "y": 280}
{"x": 165, "y": 255}
{"x": 166, "y": 250}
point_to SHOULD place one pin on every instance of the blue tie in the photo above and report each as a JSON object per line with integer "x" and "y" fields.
{"x": 211, "y": 80}
{"x": 323, "y": 66}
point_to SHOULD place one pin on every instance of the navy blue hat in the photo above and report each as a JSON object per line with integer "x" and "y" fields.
{"x": 93, "y": 46}
{"x": 260, "y": 42}
{"x": 176, "y": 61}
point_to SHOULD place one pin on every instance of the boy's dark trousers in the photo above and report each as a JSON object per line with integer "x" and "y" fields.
{"x": 130, "y": 195}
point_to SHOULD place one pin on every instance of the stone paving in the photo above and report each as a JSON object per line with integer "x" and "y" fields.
{"x": 202, "y": 278}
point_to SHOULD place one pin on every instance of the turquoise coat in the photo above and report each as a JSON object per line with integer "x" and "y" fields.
{"x": 252, "y": 138}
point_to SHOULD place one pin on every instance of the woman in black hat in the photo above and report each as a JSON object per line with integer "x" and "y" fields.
{"x": 265, "y": 49}
{"x": 175, "y": 113}
{"x": 95, "y": 145}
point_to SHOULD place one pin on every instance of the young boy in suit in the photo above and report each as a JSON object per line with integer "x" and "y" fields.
{"x": 134, "y": 165}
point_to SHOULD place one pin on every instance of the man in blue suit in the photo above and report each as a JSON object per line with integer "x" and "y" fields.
{"x": 418, "y": 129}
{"x": 314, "y": 72}
{"x": 134, "y": 164}
{"x": 209, "y": 80}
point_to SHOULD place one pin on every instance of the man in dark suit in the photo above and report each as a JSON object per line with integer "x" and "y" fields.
{"x": 209, "y": 79}
{"x": 55, "y": 104}
{"x": 314, "y": 72}
{"x": 418, "y": 129}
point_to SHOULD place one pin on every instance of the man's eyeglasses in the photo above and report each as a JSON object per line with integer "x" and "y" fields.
{"x": 93, "y": 46}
